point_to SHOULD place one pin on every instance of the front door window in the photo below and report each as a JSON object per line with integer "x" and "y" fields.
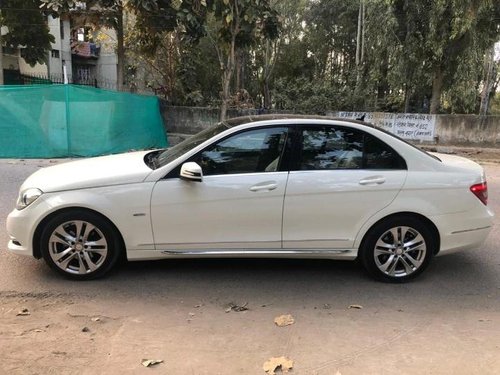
{"x": 252, "y": 151}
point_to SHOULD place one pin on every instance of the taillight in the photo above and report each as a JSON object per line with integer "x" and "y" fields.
{"x": 481, "y": 191}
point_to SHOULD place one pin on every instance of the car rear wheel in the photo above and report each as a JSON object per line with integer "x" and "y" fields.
{"x": 398, "y": 249}
{"x": 80, "y": 244}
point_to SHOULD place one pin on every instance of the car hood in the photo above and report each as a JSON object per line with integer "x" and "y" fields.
{"x": 94, "y": 172}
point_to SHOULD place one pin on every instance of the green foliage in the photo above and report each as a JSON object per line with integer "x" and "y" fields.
{"x": 414, "y": 54}
{"x": 246, "y": 20}
{"x": 301, "y": 95}
{"x": 156, "y": 17}
{"x": 27, "y": 28}
{"x": 495, "y": 105}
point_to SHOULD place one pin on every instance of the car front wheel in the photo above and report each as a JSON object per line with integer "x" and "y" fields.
{"x": 398, "y": 249}
{"x": 80, "y": 244}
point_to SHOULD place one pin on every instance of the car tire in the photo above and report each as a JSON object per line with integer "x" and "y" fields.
{"x": 398, "y": 249}
{"x": 80, "y": 244}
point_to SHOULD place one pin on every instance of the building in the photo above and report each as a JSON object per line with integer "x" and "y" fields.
{"x": 88, "y": 57}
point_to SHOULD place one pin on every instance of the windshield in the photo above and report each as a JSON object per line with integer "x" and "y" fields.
{"x": 180, "y": 149}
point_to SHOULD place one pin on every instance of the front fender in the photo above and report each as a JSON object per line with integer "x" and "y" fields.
{"x": 126, "y": 206}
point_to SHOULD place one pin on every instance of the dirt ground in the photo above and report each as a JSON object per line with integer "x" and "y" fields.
{"x": 445, "y": 322}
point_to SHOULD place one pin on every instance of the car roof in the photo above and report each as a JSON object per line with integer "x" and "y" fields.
{"x": 275, "y": 116}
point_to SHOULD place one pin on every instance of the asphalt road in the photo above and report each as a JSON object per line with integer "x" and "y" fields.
{"x": 445, "y": 322}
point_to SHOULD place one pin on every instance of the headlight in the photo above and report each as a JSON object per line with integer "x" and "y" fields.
{"x": 26, "y": 197}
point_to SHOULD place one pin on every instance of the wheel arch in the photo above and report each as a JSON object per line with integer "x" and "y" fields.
{"x": 415, "y": 215}
{"x": 37, "y": 252}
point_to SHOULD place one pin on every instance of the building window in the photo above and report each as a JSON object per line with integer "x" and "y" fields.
{"x": 80, "y": 34}
{"x": 61, "y": 29}
{"x": 55, "y": 53}
{"x": 9, "y": 51}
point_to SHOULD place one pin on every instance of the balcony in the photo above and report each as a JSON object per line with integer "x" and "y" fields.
{"x": 86, "y": 50}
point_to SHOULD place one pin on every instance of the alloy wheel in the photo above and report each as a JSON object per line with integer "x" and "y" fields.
{"x": 400, "y": 251}
{"x": 78, "y": 247}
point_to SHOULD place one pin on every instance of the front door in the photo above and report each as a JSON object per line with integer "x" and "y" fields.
{"x": 239, "y": 203}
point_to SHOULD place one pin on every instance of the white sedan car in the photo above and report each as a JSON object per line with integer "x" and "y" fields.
{"x": 266, "y": 186}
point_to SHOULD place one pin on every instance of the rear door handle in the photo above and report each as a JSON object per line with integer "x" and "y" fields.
{"x": 374, "y": 180}
{"x": 265, "y": 186}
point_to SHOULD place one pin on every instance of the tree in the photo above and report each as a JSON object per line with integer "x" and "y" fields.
{"x": 267, "y": 51}
{"x": 440, "y": 33}
{"x": 27, "y": 27}
{"x": 236, "y": 24}
{"x": 159, "y": 34}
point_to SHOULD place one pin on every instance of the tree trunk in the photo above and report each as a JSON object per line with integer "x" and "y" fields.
{"x": 1, "y": 57}
{"x": 226, "y": 80}
{"x": 488, "y": 82}
{"x": 237, "y": 78}
{"x": 358, "y": 35}
{"x": 227, "y": 75}
{"x": 267, "y": 95}
{"x": 226, "y": 83}
{"x": 120, "y": 51}
{"x": 437, "y": 88}
{"x": 407, "y": 99}
{"x": 267, "y": 76}
{"x": 363, "y": 11}
{"x": 383, "y": 85}
{"x": 359, "y": 43}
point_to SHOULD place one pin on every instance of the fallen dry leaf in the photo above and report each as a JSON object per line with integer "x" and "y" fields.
{"x": 237, "y": 308}
{"x": 85, "y": 329}
{"x": 274, "y": 363}
{"x": 359, "y": 307}
{"x": 151, "y": 362}
{"x": 284, "y": 320}
{"x": 96, "y": 319}
{"x": 23, "y": 312}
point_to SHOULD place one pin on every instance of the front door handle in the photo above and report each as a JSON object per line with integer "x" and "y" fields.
{"x": 374, "y": 180}
{"x": 265, "y": 186}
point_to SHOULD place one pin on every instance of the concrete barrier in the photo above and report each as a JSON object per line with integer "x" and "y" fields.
{"x": 465, "y": 130}
{"x": 468, "y": 130}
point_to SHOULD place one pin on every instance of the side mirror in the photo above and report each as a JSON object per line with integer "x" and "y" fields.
{"x": 191, "y": 171}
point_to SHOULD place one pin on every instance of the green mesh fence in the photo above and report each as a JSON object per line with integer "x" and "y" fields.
{"x": 47, "y": 121}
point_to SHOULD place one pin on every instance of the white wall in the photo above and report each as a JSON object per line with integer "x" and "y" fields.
{"x": 106, "y": 64}
{"x": 66, "y": 47}
{"x": 38, "y": 69}
{"x": 55, "y": 63}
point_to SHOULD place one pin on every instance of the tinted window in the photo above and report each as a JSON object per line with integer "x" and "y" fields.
{"x": 378, "y": 155}
{"x": 331, "y": 148}
{"x": 180, "y": 149}
{"x": 325, "y": 148}
{"x": 247, "y": 152}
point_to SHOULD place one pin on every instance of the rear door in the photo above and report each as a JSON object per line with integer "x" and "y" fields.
{"x": 339, "y": 178}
